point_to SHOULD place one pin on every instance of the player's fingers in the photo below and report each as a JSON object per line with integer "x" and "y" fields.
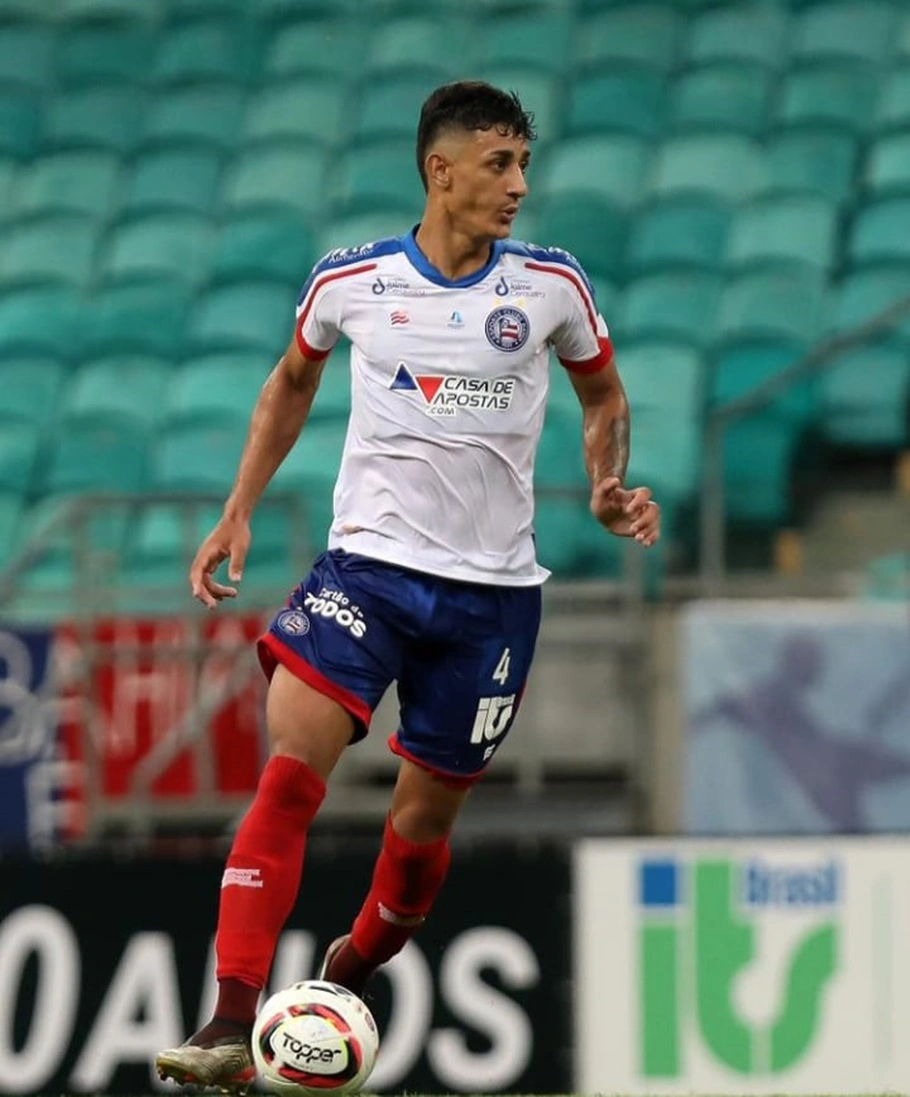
{"x": 219, "y": 590}
{"x": 207, "y": 560}
{"x": 646, "y": 517}
{"x": 636, "y": 501}
{"x": 606, "y": 487}
{"x": 238, "y": 558}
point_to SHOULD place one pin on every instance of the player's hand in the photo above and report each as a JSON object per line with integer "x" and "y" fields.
{"x": 626, "y": 513}
{"x": 229, "y": 540}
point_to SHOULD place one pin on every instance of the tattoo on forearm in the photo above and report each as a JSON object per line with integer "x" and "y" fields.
{"x": 618, "y": 444}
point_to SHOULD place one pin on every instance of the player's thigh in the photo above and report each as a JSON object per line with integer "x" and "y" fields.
{"x": 459, "y": 697}
{"x": 306, "y": 724}
{"x": 339, "y": 653}
{"x": 424, "y": 804}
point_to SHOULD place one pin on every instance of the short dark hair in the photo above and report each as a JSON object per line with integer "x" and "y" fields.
{"x": 470, "y": 105}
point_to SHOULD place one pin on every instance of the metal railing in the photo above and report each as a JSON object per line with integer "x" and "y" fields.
{"x": 712, "y": 506}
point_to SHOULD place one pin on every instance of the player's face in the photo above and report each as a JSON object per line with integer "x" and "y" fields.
{"x": 488, "y": 183}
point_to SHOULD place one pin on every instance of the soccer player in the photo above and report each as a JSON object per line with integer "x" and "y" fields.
{"x": 430, "y": 578}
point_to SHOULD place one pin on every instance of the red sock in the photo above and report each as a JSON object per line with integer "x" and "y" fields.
{"x": 406, "y": 880}
{"x": 261, "y": 881}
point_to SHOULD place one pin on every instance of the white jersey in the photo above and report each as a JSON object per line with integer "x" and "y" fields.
{"x": 449, "y": 383}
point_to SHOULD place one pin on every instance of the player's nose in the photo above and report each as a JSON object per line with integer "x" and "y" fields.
{"x": 518, "y": 186}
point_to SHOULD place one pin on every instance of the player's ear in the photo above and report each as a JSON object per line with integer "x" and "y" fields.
{"x": 439, "y": 170}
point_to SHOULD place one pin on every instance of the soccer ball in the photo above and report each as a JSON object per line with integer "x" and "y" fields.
{"x": 314, "y": 1038}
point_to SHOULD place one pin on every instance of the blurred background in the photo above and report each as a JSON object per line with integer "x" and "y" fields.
{"x": 735, "y": 178}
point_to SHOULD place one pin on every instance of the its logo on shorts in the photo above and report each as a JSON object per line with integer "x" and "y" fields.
{"x": 445, "y": 394}
{"x": 335, "y": 606}
{"x": 507, "y": 328}
{"x": 294, "y": 623}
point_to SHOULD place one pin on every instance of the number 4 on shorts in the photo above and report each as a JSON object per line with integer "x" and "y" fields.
{"x": 501, "y": 674}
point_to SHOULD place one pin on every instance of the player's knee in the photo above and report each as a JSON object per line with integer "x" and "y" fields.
{"x": 305, "y": 724}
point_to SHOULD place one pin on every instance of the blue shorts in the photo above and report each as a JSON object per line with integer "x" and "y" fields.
{"x": 460, "y": 653}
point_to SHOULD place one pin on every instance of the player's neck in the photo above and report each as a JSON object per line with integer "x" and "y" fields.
{"x": 454, "y": 254}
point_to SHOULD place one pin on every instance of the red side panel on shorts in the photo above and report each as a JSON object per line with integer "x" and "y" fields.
{"x": 272, "y": 652}
{"x": 453, "y": 780}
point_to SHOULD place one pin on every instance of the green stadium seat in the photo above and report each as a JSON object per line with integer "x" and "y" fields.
{"x": 20, "y": 122}
{"x": 625, "y": 100}
{"x": 103, "y": 10}
{"x": 539, "y": 92}
{"x": 11, "y": 512}
{"x": 663, "y": 378}
{"x": 738, "y": 32}
{"x": 144, "y": 318}
{"x": 592, "y": 230}
{"x": 177, "y": 178}
{"x": 880, "y": 233}
{"x": 319, "y": 46}
{"x": 264, "y": 245}
{"x": 727, "y": 166}
{"x": 13, "y": 11}
{"x": 732, "y": 96}
{"x": 314, "y": 460}
{"x": 864, "y": 295}
{"x": 57, "y": 249}
{"x": 681, "y": 307}
{"x": 406, "y": 44}
{"x": 741, "y": 367}
{"x": 561, "y": 533}
{"x": 96, "y": 453}
{"x": 865, "y": 398}
{"x": 7, "y": 175}
{"x": 70, "y": 182}
{"x": 781, "y": 232}
{"x": 666, "y": 455}
{"x": 888, "y": 165}
{"x": 758, "y": 456}
{"x": 105, "y": 53}
{"x": 165, "y": 539}
{"x": 27, "y": 55}
{"x": 95, "y": 118}
{"x": 802, "y": 161}
{"x": 19, "y": 448}
{"x": 30, "y": 388}
{"x": 641, "y": 32}
{"x": 283, "y": 176}
{"x": 859, "y": 29}
{"x": 209, "y": 113}
{"x": 47, "y": 321}
{"x": 181, "y": 10}
{"x": 162, "y": 245}
{"x": 196, "y": 457}
{"x": 300, "y": 110}
{"x": 125, "y": 387}
{"x": 390, "y": 107}
{"x": 258, "y": 316}
{"x": 612, "y": 168}
{"x": 679, "y": 232}
{"x": 538, "y": 38}
{"x": 786, "y": 305}
{"x": 348, "y": 232}
{"x": 829, "y": 93}
{"x": 206, "y": 49}
{"x": 377, "y": 176}
{"x": 893, "y": 109}
{"x": 277, "y": 11}
{"x": 219, "y": 387}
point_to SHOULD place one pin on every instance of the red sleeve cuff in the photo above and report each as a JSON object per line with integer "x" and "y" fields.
{"x": 314, "y": 354}
{"x": 591, "y": 365}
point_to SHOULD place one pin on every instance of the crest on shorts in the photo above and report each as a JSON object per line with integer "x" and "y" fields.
{"x": 507, "y": 328}
{"x": 294, "y": 623}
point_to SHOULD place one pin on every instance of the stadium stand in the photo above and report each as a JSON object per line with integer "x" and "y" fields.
{"x": 734, "y": 176}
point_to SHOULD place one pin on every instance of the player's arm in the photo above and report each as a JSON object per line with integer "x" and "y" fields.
{"x": 278, "y": 417}
{"x": 605, "y": 418}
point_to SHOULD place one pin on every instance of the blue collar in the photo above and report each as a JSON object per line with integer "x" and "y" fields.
{"x": 423, "y": 265}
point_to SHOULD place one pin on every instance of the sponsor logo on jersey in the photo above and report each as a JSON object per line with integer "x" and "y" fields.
{"x": 393, "y": 283}
{"x": 456, "y": 320}
{"x": 520, "y": 287}
{"x": 507, "y": 328}
{"x": 398, "y": 318}
{"x": 445, "y": 394}
{"x": 294, "y": 623}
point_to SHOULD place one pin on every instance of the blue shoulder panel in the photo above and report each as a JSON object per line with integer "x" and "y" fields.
{"x": 549, "y": 255}
{"x": 344, "y": 257}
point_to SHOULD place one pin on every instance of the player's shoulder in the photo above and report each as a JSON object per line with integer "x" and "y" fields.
{"x": 547, "y": 260}
{"x": 339, "y": 260}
